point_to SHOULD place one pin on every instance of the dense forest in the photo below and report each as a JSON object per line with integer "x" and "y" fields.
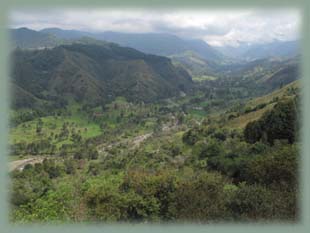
{"x": 100, "y": 132}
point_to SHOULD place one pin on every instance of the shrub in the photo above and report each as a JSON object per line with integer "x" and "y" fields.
{"x": 200, "y": 198}
{"x": 257, "y": 203}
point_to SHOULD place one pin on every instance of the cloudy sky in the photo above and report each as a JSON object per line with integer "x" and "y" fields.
{"x": 216, "y": 27}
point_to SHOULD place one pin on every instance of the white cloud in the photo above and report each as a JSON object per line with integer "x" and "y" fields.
{"x": 217, "y": 27}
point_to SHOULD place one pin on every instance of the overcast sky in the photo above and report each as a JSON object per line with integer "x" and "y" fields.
{"x": 216, "y": 27}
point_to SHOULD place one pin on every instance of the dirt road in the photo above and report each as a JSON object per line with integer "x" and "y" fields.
{"x": 20, "y": 164}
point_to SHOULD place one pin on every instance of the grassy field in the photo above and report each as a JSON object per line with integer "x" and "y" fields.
{"x": 76, "y": 121}
{"x": 117, "y": 120}
{"x": 26, "y": 132}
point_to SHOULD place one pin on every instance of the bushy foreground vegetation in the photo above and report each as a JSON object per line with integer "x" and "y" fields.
{"x": 266, "y": 190}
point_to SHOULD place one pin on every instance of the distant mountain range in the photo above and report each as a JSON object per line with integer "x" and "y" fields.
{"x": 90, "y": 68}
{"x": 275, "y": 49}
{"x": 94, "y": 73}
{"x": 31, "y": 39}
{"x": 152, "y": 43}
{"x": 196, "y": 56}
{"x": 157, "y": 44}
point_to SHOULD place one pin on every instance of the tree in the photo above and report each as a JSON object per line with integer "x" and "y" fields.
{"x": 78, "y": 155}
{"x": 211, "y": 149}
{"x": 257, "y": 202}
{"x": 70, "y": 166}
{"x": 52, "y": 168}
{"x": 279, "y": 123}
{"x": 191, "y": 136}
{"x": 93, "y": 169}
{"x": 38, "y": 129}
{"x": 253, "y": 131}
{"x": 93, "y": 154}
{"x": 200, "y": 198}
{"x": 277, "y": 167}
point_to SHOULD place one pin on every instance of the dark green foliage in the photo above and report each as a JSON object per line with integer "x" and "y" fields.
{"x": 53, "y": 170}
{"x": 109, "y": 201}
{"x": 277, "y": 167}
{"x": 220, "y": 135}
{"x": 70, "y": 166}
{"x": 191, "y": 136}
{"x": 208, "y": 149}
{"x": 279, "y": 123}
{"x": 258, "y": 203}
{"x": 253, "y": 132}
{"x": 92, "y": 154}
{"x": 94, "y": 169}
{"x": 30, "y": 185}
{"x": 200, "y": 198}
{"x": 78, "y": 155}
{"x": 34, "y": 148}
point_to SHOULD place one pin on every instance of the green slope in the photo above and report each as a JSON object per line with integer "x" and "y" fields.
{"x": 97, "y": 73}
{"x": 256, "y": 107}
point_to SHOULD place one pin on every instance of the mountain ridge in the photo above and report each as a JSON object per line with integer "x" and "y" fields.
{"x": 98, "y": 73}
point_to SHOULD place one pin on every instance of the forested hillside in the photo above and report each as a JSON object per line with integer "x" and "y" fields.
{"x": 94, "y": 74}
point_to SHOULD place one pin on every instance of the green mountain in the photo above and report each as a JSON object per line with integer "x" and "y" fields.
{"x": 66, "y": 34}
{"x": 261, "y": 70}
{"x": 196, "y": 56}
{"x": 95, "y": 73}
{"x": 153, "y": 43}
{"x": 194, "y": 63}
{"x": 162, "y": 44}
